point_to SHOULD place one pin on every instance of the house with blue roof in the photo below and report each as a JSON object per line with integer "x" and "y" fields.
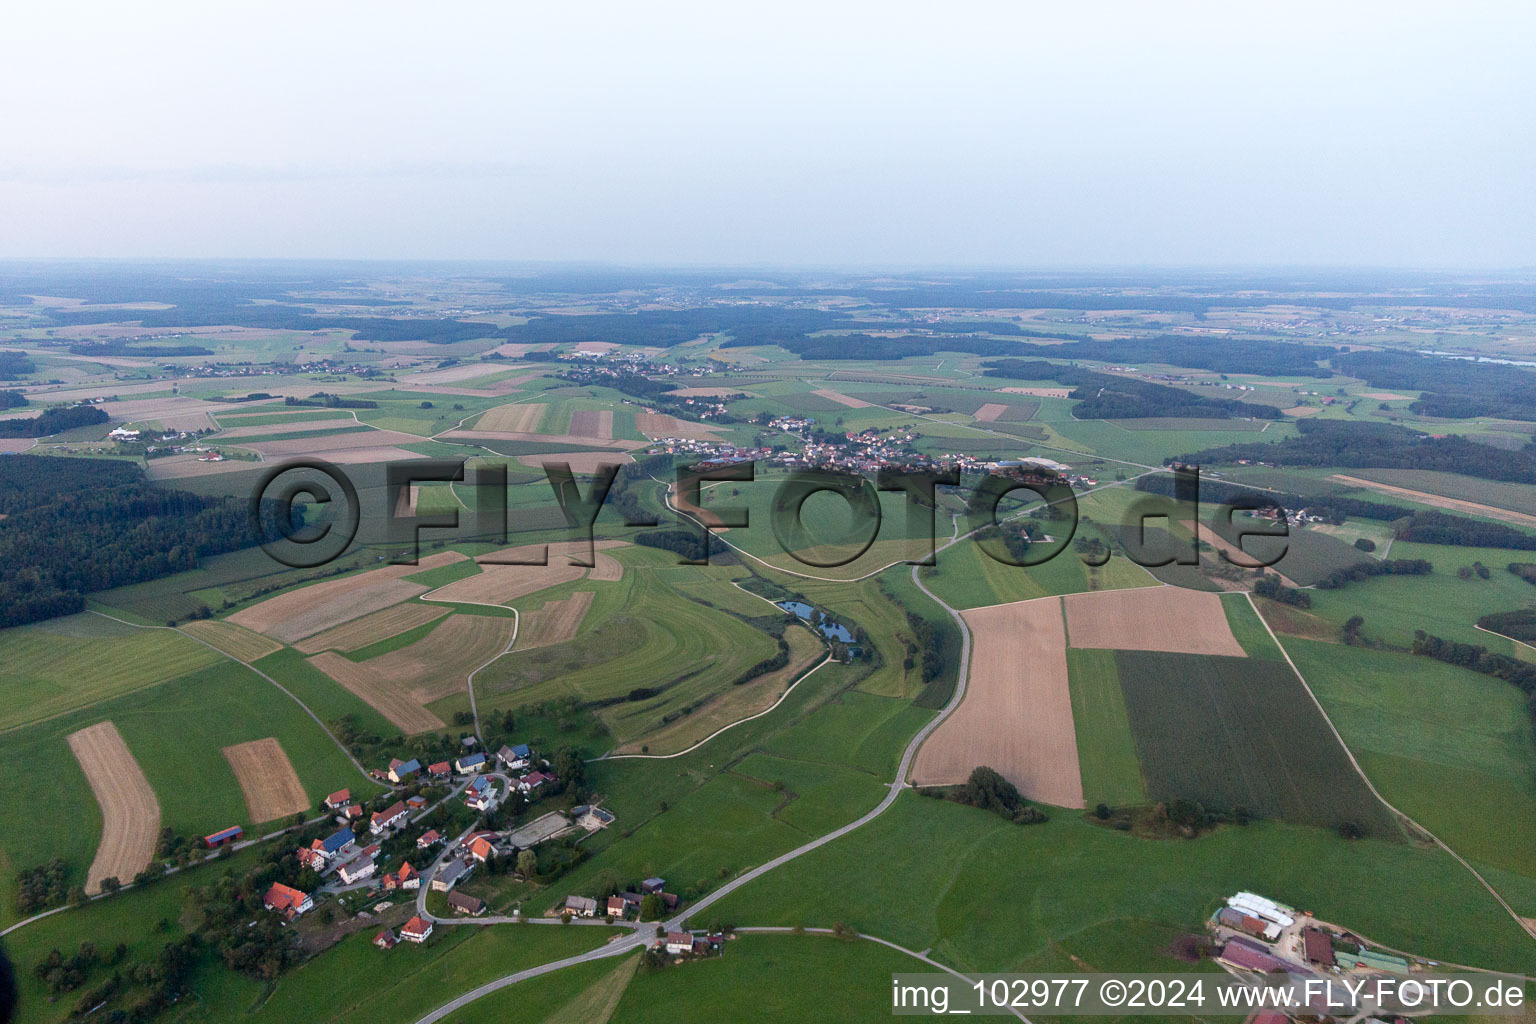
{"x": 337, "y": 843}
{"x": 515, "y": 759}
{"x": 470, "y": 763}
{"x": 399, "y": 770}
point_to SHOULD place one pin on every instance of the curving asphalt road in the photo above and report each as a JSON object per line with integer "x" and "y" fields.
{"x": 639, "y": 940}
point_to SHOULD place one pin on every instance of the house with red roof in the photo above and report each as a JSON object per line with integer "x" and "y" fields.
{"x": 431, "y": 838}
{"x": 416, "y": 930}
{"x": 338, "y": 799}
{"x": 388, "y": 818}
{"x": 385, "y": 939}
{"x": 288, "y": 901}
{"x": 482, "y": 850}
{"x": 440, "y": 769}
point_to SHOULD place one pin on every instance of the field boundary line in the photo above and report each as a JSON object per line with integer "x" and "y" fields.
{"x": 291, "y": 695}
{"x": 517, "y": 622}
{"x": 1527, "y": 928}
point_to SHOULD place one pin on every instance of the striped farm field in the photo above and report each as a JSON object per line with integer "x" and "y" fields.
{"x": 47, "y": 675}
{"x": 300, "y": 613}
{"x": 130, "y": 813}
{"x": 370, "y": 629}
{"x": 555, "y": 622}
{"x": 398, "y": 684}
{"x": 236, "y": 641}
{"x": 514, "y": 418}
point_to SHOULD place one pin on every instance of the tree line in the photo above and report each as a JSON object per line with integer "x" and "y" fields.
{"x": 1378, "y": 445}
{"x": 52, "y": 421}
{"x": 1105, "y": 397}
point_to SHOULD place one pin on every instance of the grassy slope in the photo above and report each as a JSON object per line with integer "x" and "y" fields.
{"x": 1451, "y": 748}
{"x": 49, "y": 672}
{"x": 175, "y": 731}
{"x": 989, "y": 895}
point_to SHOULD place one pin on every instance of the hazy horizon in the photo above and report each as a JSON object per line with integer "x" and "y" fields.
{"x": 1109, "y": 137}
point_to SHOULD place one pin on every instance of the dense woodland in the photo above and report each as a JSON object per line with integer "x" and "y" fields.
{"x": 1423, "y": 526}
{"x": 52, "y": 421}
{"x": 1206, "y": 353}
{"x": 15, "y": 364}
{"x": 12, "y": 399}
{"x": 1453, "y": 388}
{"x": 122, "y": 347}
{"x": 1104, "y": 397}
{"x": 73, "y": 526}
{"x": 1377, "y": 445}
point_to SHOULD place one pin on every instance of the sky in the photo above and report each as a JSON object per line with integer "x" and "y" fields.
{"x": 887, "y": 134}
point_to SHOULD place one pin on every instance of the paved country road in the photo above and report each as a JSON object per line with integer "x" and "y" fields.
{"x": 639, "y": 941}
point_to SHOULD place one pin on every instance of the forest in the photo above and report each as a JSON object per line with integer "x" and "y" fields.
{"x": 121, "y": 347}
{"x": 74, "y": 526}
{"x": 51, "y": 421}
{"x": 1103, "y": 397}
{"x": 1378, "y": 445}
{"x": 1453, "y": 388}
{"x": 1206, "y": 353}
{"x": 15, "y": 364}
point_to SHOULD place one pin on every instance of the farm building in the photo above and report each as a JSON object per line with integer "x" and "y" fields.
{"x": 225, "y": 837}
{"x": 533, "y": 780}
{"x": 653, "y": 885}
{"x": 465, "y": 904}
{"x": 288, "y": 901}
{"x": 1258, "y": 906}
{"x": 583, "y": 906}
{"x": 388, "y": 818}
{"x": 470, "y": 763}
{"x": 1251, "y": 956}
{"x": 415, "y": 803}
{"x": 1235, "y": 919}
{"x": 1371, "y": 961}
{"x": 1319, "y": 948}
{"x": 358, "y": 868}
{"x": 439, "y": 769}
{"x": 416, "y": 930}
{"x": 385, "y": 939}
{"x": 591, "y": 818}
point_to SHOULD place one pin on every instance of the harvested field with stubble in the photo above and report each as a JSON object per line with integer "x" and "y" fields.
{"x": 370, "y": 629}
{"x": 271, "y": 787}
{"x": 400, "y": 683}
{"x": 655, "y": 424}
{"x": 596, "y": 423}
{"x": 339, "y": 441}
{"x": 130, "y": 813}
{"x": 1016, "y": 717}
{"x": 500, "y": 584}
{"x": 554, "y": 623}
{"x": 842, "y": 399}
{"x": 990, "y": 411}
{"x": 301, "y": 613}
{"x": 1151, "y": 619}
{"x": 236, "y": 641}
{"x": 523, "y": 418}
